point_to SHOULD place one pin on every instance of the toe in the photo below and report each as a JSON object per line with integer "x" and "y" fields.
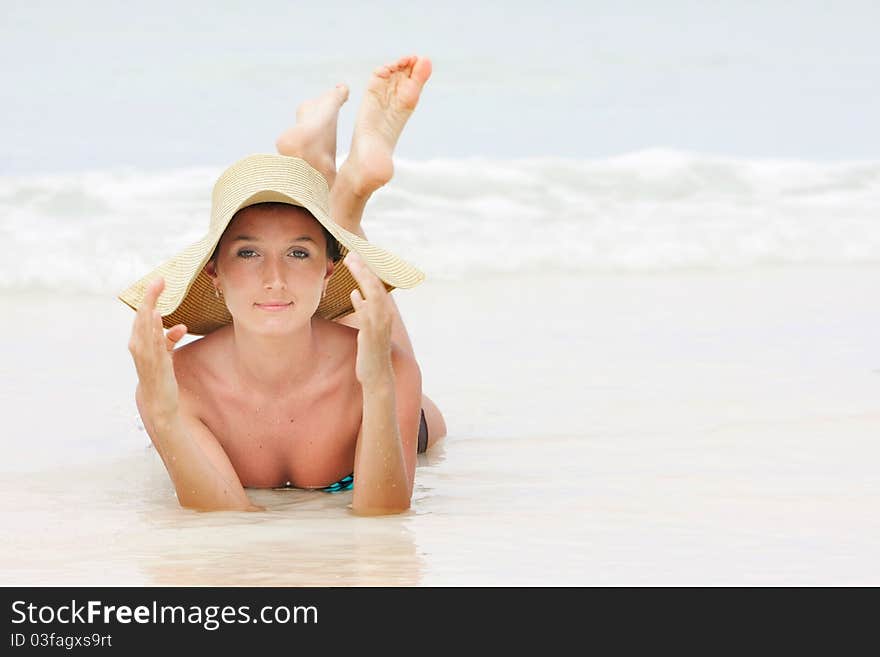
{"x": 422, "y": 70}
{"x": 382, "y": 72}
{"x": 342, "y": 90}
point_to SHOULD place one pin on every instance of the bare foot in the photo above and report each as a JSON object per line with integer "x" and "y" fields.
{"x": 390, "y": 98}
{"x": 313, "y": 138}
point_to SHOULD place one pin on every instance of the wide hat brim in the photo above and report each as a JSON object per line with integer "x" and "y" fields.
{"x": 188, "y": 297}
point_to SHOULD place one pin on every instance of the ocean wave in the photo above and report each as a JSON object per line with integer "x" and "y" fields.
{"x": 456, "y": 218}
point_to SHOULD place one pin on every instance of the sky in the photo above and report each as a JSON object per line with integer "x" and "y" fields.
{"x": 100, "y": 85}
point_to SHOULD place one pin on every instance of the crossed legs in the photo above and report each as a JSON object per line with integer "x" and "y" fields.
{"x": 390, "y": 98}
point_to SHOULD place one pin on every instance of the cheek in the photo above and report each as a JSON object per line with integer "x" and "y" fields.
{"x": 230, "y": 273}
{"x": 234, "y": 277}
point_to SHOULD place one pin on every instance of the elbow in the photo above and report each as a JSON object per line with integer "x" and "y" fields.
{"x": 367, "y": 510}
{"x": 204, "y": 508}
{"x": 364, "y": 506}
{"x": 195, "y": 502}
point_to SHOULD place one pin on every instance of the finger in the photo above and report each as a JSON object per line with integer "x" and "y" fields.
{"x": 154, "y": 289}
{"x": 357, "y": 301}
{"x": 370, "y": 284}
{"x": 352, "y": 261}
{"x": 173, "y": 336}
{"x": 145, "y": 309}
{"x": 177, "y": 331}
{"x": 158, "y": 329}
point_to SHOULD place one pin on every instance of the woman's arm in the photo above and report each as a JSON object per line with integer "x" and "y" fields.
{"x": 199, "y": 468}
{"x": 385, "y": 455}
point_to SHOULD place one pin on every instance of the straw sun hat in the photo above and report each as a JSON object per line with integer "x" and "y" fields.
{"x": 188, "y": 297}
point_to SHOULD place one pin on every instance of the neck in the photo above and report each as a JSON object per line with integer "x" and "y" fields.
{"x": 275, "y": 365}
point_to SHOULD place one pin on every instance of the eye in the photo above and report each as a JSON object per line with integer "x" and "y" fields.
{"x": 246, "y": 253}
{"x": 300, "y": 254}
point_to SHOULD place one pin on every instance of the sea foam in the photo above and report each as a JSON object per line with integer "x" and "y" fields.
{"x": 455, "y": 218}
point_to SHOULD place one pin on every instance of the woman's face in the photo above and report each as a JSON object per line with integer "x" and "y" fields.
{"x": 271, "y": 268}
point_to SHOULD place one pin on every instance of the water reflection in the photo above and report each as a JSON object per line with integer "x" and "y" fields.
{"x": 122, "y": 525}
{"x": 303, "y": 539}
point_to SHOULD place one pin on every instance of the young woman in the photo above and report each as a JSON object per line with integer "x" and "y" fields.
{"x": 289, "y": 389}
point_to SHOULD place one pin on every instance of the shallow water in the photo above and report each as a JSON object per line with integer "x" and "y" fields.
{"x": 686, "y": 428}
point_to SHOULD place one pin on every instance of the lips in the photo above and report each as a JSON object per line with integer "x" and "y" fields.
{"x": 274, "y": 305}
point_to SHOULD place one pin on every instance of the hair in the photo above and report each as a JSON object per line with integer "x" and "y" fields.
{"x": 334, "y": 252}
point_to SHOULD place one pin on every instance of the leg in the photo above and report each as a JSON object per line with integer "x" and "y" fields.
{"x": 435, "y": 421}
{"x": 313, "y": 138}
{"x": 391, "y": 97}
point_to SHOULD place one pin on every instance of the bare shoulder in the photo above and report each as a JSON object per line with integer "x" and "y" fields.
{"x": 344, "y": 338}
{"x": 197, "y": 365}
{"x": 199, "y": 352}
{"x": 346, "y": 335}
{"x": 339, "y": 338}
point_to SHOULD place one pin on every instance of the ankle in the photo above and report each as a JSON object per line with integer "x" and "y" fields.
{"x": 350, "y": 183}
{"x": 296, "y": 143}
{"x": 323, "y": 164}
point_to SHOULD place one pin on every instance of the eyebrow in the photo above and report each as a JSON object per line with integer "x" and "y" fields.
{"x": 248, "y": 238}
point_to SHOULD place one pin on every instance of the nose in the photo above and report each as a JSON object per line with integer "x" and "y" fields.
{"x": 273, "y": 275}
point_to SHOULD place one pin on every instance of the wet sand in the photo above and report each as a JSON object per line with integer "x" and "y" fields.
{"x": 689, "y": 428}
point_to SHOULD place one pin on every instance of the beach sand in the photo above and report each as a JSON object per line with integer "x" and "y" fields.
{"x": 678, "y": 428}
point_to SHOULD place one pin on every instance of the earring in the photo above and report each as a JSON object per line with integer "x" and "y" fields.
{"x": 217, "y": 293}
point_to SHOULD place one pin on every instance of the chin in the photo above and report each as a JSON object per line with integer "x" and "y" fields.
{"x": 262, "y": 323}
{"x": 276, "y": 326}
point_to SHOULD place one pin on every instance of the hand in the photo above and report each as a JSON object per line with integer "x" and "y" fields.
{"x": 151, "y": 350}
{"x": 375, "y": 314}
